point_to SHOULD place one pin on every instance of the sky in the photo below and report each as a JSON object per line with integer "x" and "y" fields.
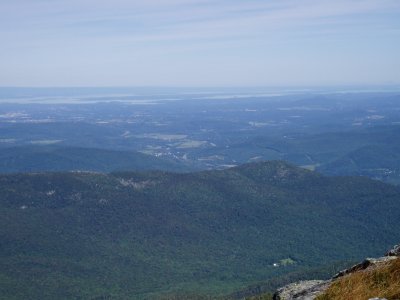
{"x": 199, "y": 43}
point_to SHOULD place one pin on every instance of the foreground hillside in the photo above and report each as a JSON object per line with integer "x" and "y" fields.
{"x": 142, "y": 235}
{"x": 382, "y": 281}
{"x": 373, "y": 278}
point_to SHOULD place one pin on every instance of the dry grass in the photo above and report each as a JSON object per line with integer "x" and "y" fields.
{"x": 382, "y": 281}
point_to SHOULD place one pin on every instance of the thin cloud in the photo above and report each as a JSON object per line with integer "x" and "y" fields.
{"x": 91, "y": 32}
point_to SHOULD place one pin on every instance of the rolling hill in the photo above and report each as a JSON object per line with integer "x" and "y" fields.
{"x": 142, "y": 235}
{"x": 376, "y": 161}
{"x": 63, "y": 158}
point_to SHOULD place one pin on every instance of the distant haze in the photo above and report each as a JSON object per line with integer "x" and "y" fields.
{"x": 199, "y": 42}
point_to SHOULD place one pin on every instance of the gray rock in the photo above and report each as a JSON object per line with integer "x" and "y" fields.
{"x": 367, "y": 263}
{"x": 361, "y": 266}
{"x": 394, "y": 252}
{"x": 309, "y": 290}
{"x": 303, "y": 290}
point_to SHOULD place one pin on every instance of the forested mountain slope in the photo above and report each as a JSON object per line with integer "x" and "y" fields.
{"x": 64, "y": 158}
{"x": 140, "y": 235}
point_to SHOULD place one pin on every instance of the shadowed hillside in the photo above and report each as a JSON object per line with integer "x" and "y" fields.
{"x": 56, "y": 158}
{"x": 141, "y": 235}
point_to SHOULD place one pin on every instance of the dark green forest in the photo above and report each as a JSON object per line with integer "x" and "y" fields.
{"x": 133, "y": 235}
{"x": 51, "y": 158}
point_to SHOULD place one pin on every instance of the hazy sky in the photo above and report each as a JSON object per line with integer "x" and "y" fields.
{"x": 199, "y": 42}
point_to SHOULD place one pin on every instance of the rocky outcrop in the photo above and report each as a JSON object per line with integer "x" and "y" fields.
{"x": 303, "y": 290}
{"x": 367, "y": 263}
{"x": 309, "y": 290}
{"x": 394, "y": 252}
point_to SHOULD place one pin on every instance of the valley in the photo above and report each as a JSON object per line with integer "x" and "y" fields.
{"x": 192, "y": 196}
{"x": 335, "y": 133}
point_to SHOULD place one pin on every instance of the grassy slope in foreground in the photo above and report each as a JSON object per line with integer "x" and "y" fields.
{"x": 132, "y": 235}
{"x": 382, "y": 282}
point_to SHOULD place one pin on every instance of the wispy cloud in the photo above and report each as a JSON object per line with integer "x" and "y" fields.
{"x": 158, "y": 19}
{"x": 94, "y": 29}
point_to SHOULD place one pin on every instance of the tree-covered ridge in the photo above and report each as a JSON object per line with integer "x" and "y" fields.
{"x": 375, "y": 161}
{"x": 144, "y": 234}
{"x": 63, "y": 158}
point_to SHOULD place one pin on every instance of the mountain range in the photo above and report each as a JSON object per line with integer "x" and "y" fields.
{"x": 155, "y": 234}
